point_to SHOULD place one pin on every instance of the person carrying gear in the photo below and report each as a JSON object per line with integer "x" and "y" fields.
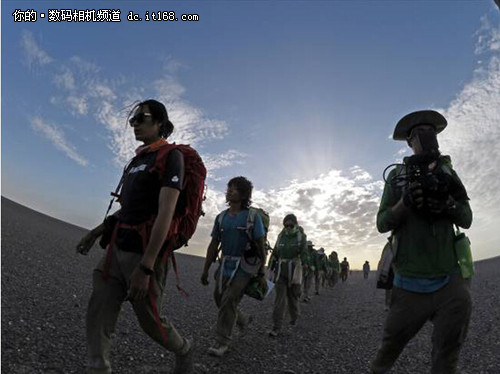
{"x": 422, "y": 200}
{"x": 344, "y": 269}
{"x": 320, "y": 264}
{"x": 366, "y": 269}
{"x": 241, "y": 234}
{"x": 157, "y": 187}
{"x": 290, "y": 250}
{"x": 308, "y": 270}
{"x": 335, "y": 266}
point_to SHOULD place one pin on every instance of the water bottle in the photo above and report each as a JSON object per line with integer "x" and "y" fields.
{"x": 464, "y": 255}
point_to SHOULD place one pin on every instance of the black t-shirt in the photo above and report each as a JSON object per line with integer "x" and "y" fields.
{"x": 140, "y": 193}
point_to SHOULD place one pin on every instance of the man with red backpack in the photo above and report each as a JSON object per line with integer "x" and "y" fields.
{"x": 161, "y": 194}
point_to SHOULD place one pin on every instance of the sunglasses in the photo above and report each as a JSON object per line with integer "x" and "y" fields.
{"x": 289, "y": 226}
{"x": 139, "y": 118}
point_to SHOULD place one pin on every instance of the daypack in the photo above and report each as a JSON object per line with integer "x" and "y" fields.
{"x": 250, "y": 255}
{"x": 252, "y": 212}
{"x": 385, "y": 272}
{"x": 264, "y": 216}
{"x": 188, "y": 209}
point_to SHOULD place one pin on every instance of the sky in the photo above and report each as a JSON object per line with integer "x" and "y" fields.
{"x": 299, "y": 97}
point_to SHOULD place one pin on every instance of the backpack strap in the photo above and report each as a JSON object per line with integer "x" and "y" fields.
{"x": 299, "y": 236}
{"x": 116, "y": 194}
{"x": 252, "y": 212}
{"x": 220, "y": 219}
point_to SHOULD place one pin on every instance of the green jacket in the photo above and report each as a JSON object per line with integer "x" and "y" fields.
{"x": 320, "y": 261}
{"x": 334, "y": 262}
{"x": 291, "y": 246}
{"x": 308, "y": 258}
{"x": 424, "y": 247}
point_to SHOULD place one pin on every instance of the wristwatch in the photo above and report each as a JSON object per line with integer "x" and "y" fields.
{"x": 145, "y": 269}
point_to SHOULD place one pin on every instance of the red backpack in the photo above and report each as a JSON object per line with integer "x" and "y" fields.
{"x": 188, "y": 209}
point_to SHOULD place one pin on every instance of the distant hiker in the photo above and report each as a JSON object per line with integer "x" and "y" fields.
{"x": 344, "y": 269}
{"x": 327, "y": 280}
{"x": 157, "y": 187}
{"x": 422, "y": 200}
{"x": 241, "y": 233}
{"x": 309, "y": 270}
{"x": 366, "y": 269}
{"x": 289, "y": 250}
{"x": 320, "y": 264}
{"x": 335, "y": 266}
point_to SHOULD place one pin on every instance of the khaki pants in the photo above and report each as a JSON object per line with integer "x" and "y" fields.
{"x": 285, "y": 295}
{"x": 449, "y": 310}
{"x": 227, "y": 302}
{"x": 105, "y": 304}
{"x": 319, "y": 279}
{"x": 335, "y": 277}
{"x": 308, "y": 280}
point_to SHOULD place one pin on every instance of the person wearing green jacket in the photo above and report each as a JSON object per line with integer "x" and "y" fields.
{"x": 335, "y": 266}
{"x": 289, "y": 251}
{"x": 308, "y": 270}
{"x": 421, "y": 202}
{"x": 320, "y": 265}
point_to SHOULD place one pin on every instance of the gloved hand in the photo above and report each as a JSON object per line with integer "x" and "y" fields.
{"x": 413, "y": 196}
{"x": 446, "y": 206}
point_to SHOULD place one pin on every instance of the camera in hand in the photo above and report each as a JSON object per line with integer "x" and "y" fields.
{"x": 434, "y": 184}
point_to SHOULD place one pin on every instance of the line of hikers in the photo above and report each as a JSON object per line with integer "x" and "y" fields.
{"x": 161, "y": 193}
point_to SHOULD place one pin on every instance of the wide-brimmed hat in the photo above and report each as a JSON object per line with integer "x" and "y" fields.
{"x": 422, "y": 117}
{"x": 310, "y": 243}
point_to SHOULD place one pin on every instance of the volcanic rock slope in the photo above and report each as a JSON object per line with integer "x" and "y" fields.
{"x": 46, "y": 287}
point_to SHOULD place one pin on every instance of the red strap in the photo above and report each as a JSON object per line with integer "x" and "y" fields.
{"x": 170, "y": 253}
{"x": 177, "y": 280}
{"x": 156, "y": 313}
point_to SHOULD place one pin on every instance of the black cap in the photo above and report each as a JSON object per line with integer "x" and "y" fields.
{"x": 422, "y": 117}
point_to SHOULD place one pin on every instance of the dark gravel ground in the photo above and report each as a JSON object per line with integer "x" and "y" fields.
{"x": 46, "y": 286}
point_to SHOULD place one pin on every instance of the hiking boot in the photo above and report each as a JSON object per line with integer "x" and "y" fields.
{"x": 184, "y": 359}
{"x": 218, "y": 350}
{"x": 244, "y": 327}
{"x": 273, "y": 333}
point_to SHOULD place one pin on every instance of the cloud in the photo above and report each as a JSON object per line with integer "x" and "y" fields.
{"x": 215, "y": 162}
{"x": 473, "y": 136}
{"x": 192, "y": 126}
{"x": 336, "y": 209}
{"x": 79, "y": 105}
{"x": 85, "y": 91}
{"x": 57, "y": 138}
{"x": 65, "y": 79}
{"x": 488, "y": 37}
{"x": 473, "y": 133}
{"x": 34, "y": 53}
